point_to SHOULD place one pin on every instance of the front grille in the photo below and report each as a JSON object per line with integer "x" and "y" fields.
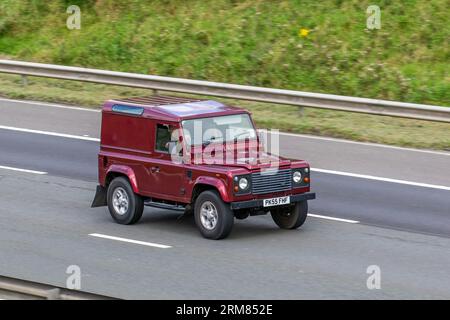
{"x": 271, "y": 181}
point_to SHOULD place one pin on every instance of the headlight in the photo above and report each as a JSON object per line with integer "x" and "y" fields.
{"x": 243, "y": 183}
{"x": 297, "y": 177}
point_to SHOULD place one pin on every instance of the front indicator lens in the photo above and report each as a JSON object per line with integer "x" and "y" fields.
{"x": 243, "y": 183}
{"x": 297, "y": 177}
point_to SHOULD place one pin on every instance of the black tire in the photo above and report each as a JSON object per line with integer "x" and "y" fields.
{"x": 291, "y": 217}
{"x": 135, "y": 202}
{"x": 225, "y": 217}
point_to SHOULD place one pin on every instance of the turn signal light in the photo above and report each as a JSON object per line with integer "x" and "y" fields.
{"x": 306, "y": 179}
{"x": 236, "y": 188}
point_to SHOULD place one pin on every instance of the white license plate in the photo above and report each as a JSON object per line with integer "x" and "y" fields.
{"x": 276, "y": 201}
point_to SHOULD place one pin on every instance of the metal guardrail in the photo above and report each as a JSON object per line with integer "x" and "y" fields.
{"x": 224, "y": 90}
{"x": 16, "y": 289}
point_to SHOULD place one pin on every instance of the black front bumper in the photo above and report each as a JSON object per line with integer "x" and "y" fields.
{"x": 259, "y": 202}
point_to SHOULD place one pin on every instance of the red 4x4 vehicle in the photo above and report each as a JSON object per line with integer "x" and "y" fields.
{"x": 197, "y": 156}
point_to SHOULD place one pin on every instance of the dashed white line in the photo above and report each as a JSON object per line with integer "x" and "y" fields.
{"x": 143, "y": 243}
{"x": 23, "y": 170}
{"x": 48, "y": 133}
{"x": 332, "y": 218}
{"x": 364, "y": 176}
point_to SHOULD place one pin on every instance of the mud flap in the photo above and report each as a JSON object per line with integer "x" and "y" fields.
{"x": 100, "y": 197}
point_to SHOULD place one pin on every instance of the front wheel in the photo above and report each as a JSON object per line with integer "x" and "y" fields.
{"x": 124, "y": 205}
{"x": 213, "y": 217}
{"x": 290, "y": 217}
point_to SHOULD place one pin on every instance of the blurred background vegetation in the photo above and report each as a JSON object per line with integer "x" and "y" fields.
{"x": 253, "y": 42}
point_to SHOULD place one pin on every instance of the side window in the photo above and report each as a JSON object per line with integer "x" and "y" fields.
{"x": 163, "y": 135}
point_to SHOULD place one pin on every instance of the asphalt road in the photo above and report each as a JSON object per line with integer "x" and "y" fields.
{"x": 372, "y": 202}
{"x": 46, "y": 222}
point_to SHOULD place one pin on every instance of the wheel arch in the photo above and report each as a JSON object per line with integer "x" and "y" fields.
{"x": 116, "y": 171}
{"x": 210, "y": 183}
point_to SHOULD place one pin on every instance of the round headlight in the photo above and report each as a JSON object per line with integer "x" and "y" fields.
{"x": 297, "y": 177}
{"x": 243, "y": 183}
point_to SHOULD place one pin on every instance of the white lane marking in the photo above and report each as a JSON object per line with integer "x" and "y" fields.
{"x": 369, "y": 144}
{"x": 48, "y": 133}
{"x": 46, "y": 104}
{"x": 149, "y": 244}
{"x": 364, "y": 176}
{"x": 23, "y": 170}
{"x": 331, "y": 218}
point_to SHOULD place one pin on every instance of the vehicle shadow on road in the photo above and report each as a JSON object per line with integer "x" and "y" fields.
{"x": 171, "y": 221}
{"x": 261, "y": 227}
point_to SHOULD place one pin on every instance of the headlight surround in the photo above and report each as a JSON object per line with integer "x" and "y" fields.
{"x": 243, "y": 184}
{"x": 300, "y": 177}
{"x": 297, "y": 177}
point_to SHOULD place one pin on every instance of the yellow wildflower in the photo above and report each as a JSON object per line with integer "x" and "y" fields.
{"x": 303, "y": 32}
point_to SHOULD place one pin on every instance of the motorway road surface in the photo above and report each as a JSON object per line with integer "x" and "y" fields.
{"x": 401, "y": 225}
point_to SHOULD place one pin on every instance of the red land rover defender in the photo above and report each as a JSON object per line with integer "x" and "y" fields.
{"x": 197, "y": 156}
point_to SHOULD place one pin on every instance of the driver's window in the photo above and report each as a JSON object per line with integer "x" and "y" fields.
{"x": 163, "y": 136}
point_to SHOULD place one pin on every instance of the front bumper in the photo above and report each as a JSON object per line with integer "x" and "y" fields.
{"x": 258, "y": 203}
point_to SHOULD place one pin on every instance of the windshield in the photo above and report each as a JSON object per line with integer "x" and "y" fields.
{"x": 218, "y": 129}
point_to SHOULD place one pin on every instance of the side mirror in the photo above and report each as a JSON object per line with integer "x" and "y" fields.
{"x": 262, "y": 134}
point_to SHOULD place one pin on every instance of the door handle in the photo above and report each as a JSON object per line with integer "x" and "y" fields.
{"x": 155, "y": 169}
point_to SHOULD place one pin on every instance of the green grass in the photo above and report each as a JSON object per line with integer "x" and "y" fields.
{"x": 359, "y": 127}
{"x": 251, "y": 42}
{"x": 254, "y": 42}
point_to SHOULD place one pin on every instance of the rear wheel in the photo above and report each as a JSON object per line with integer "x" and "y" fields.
{"x": 213, "y": 217}
{"x": 124, "y": 205}
{"x": 290, "y": 217}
